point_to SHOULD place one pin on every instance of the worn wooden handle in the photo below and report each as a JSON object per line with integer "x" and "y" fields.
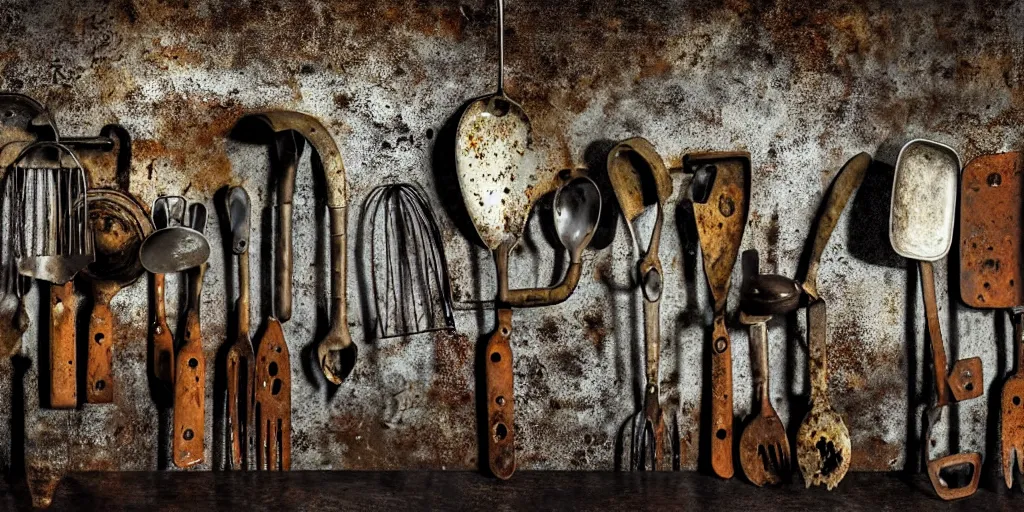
{"x": 273, "y": 401}
{"x": 63, "y": 390}
{"x": 721, "y": 400}
{"x": 189, "y": 396}
{"x": 501, "y": 451}
{"x": 99, "y": 382}
{"x": 160, "y": 333}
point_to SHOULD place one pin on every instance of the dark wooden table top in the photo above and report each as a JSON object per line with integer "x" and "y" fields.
{"x": 527, "y": 490}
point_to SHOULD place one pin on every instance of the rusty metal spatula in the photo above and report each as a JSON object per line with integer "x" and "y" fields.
{"x": 921, "y": 222}
{"x": 990, "y": 272}
{"x": 273, "y": 400}
{"x": 721, "y": 219}
{"x": 241, "y": 360}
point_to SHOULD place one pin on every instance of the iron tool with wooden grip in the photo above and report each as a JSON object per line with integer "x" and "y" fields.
{"x": 921, "y": 222}
{"x": 190, "y": 369}
{"x": 241, "y": 360}
{"x": 991, "y": 222}
{"x": 720, "y": 223}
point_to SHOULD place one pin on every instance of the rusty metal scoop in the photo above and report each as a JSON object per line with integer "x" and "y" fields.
{"x": 764, "y": 450}
{"x": 990, "y": 273}
{"x": 921, "y": 227}
{"x": 632, "y": 164}
{"x": 119, "y": 225}
{"x": 721, "y": 219}
{"x": 241, "y": 360}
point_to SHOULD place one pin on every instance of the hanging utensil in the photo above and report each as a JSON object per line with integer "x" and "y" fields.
{"x": 823, "y": 448}
{"x": 764, "y": 446}
{"x": 273, "y": 411}
{"x": 241, "y": 360}
{"x": 921, "y": 228}
{"x": 119, "y": 225}
{"x": 408, "y": 268}
{"x": 991, "y": 221}
{"x": 721, "y": 218}
{"x": 336, "y": 353}
{"x": 177, "y": 247}
{"x": 288, "y": 150}
{"x": 47, "y": 189}
{"x": 168, "y": 211}
{"x": 190, "y": 363}
{"x": 633, "y": 168}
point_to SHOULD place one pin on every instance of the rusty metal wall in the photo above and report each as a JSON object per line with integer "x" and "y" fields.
{"x": 803, "y": 86}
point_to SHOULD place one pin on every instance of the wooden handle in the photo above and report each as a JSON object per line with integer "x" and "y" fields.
{"x": 721, "y": 400}
{"x": 163, "y": 341}
{"x": 99, "y": 382}
{"x": 189, "y": 396}
{"x": 501, "y": 450}
{"x": 63, "y": 390}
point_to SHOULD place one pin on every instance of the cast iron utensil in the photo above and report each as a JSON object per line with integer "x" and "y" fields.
{"x": 633, "y": 168}
{"x": 47, "y": 190}
{"x": 336, "y": 353}
{"x": 241, "y": 360}
{"x": 167, "y": 211}
{"x": 408, "y": 268}
{"x": 921, "y": 228}
{"x": 990, "y": 273}
{"x": 764, "y": 447}
{"x": 190, "y": 364}
{"x": 119, "y": 225}
{"x": 720, "y": 223}
{"x": 823, "y": 449}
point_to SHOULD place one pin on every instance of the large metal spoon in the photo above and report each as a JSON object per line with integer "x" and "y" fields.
{"x": 175, "y": 248}
{"x": 921, "y": 221}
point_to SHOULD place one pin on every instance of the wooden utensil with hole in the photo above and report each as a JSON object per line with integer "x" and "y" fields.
{"x": 720, "y": 223}
{"x": 190, "y": 382}
{"x": 273, "y": 400}
{"x": 63, "y": 358}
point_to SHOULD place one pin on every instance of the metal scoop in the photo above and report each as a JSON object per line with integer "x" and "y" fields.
{"x": 175, "y": 248}
{"x": 921, "y": 227}
{"x": 991, "y": 220}
{"x": 119, "y": 225}
{"x": 633, "y": 168}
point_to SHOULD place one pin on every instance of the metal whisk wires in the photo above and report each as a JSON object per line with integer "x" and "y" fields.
{"x": 408, "y": 268}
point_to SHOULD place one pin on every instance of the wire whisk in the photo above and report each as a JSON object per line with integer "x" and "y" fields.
{"x": 409, "y": 271}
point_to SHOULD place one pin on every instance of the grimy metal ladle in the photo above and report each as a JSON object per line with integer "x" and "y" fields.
{"x": 921, "y": 219}
{"x": 632, "y": 164}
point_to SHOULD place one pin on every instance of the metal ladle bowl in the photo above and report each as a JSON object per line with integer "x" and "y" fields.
{"x": 174, "y": 249}
{"x": 577, "y": 211}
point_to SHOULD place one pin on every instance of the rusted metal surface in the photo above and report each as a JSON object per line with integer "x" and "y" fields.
{"x": 63, "y": 357}
{"x": 721, "y": 220}
{"x": 501, "y": 448}
{"x": 273, "y": 400}
{"x": 189, "y": 433}
{"x": 802, "y": 87}
{"x": 990, "y": 232}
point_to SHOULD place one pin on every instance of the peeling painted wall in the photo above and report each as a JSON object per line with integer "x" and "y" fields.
{"x": 801, "y": 89}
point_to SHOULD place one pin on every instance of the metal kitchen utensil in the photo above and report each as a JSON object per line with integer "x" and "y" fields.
{"x": 273, "y": 411}
{"x": 921, "y": 227}
{"x": 764, "y": 447}
{"x": 119, "y": 225}
{"x": 408, "y": 268}
{"x": 720, "y": 223}
{"x": 167, "y": 211}
{"x": 13, "y": 315}
{"x": 288, "y": 147}
{"x": 823, "y": 448}
{"x": 336, "y": 353}
{"x": 497, "y": 174}
{"x": 187, "y": 445}
{"x": 177, "y": 247}
{"x": 241, "y": 359}
{"x": 634, "y": 167}
{"x": 991, "y": 221}
{"x": 46, "y": 188}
